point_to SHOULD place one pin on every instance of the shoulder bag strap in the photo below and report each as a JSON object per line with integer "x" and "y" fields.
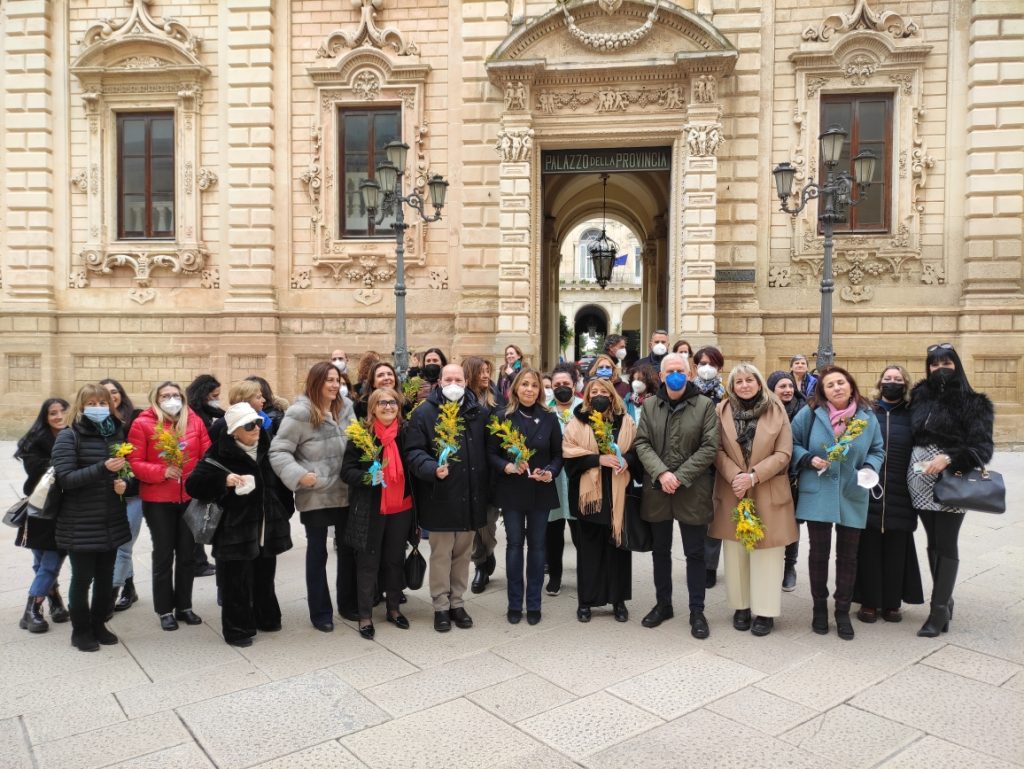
{"x": 218, "y": 465}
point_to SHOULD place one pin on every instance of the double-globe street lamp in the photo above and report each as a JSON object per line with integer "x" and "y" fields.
{"x": 837, "y": 196}
{"x": 383, "y": 197}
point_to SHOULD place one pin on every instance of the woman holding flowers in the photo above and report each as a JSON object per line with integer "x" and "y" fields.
{"x": 92, "y": 522}
{"x": 601, "y": 462}
{"x": 525, "y": 451}
{"x": 306, "y": 454}
{"x": 168, "y": 439}
{"x": 753, "y": 505}
{"x": 838, "y": 451}
{"x": 381, "y": 518}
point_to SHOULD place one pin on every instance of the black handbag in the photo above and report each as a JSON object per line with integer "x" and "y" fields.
{"x": 17, "y": 513}
{"x": 636, "y": 532}
{"x": 978, "y": 489}
{"x": 415, "y": 569}
{"x": 203, "y": 516}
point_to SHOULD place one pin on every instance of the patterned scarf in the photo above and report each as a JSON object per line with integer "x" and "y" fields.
{"x": 392, "y": 498}
{"x": 745, "y": 414}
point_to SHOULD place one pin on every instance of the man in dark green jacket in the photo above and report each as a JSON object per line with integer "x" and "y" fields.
{"x": 677, "y": 440}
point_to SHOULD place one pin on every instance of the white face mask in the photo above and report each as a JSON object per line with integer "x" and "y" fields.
{"x": 214, "y": 404}
{"x": 639, "y": 387}
{"x": 341, "y": 365}
{"x": 453, "y": 392}
{"x": 343, "y": 392}
{"x": 549, "y": 394}
{"x": 660, "y": 348}
{"x": 171, "y": 406}
{"x": 621, "y": 353}
{"x": 707, "y": 372}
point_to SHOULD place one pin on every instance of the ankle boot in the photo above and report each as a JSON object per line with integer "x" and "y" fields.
{"x": 819, "y": 619}
{"x": 58, "y": 611}
{"x": 32, "y": 620}
{"x": 128, "y": 596}
{"x": 844, "y": 628}
{"x": 942, "y": 592}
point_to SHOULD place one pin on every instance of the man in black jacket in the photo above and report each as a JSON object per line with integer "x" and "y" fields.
{"x": 451, "y": 498}
{"x": 659, "y": 349}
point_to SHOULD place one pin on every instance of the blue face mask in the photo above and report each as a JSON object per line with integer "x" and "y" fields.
{"x": 96, "y": 413}
{"x": 604, "y": 373}
{"x": 676, "y": 381}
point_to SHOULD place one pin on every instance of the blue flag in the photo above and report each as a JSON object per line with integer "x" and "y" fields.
{"x": 620, "y": 261}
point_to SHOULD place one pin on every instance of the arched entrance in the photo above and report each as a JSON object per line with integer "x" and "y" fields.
{"x": 590, "y": 326}
{"x": 573, "y": 82}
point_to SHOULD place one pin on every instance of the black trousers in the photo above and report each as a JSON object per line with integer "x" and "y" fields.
{"x": 248, "y": 599}
{"x": 97, "y": 570}
{"x": 318, "y": 593}
{"x": 604, "y": 572}
{"x": 555, "y": 546}
{"x": 793, "y": 548}
{"x": 661, "y": 555}
{"x": 943, "y": 531}
{"x": 387, "y": 559}
{"x": 887, "y": 570}
{"x": 173, "y": 553}
{"x": 847, "y": 539}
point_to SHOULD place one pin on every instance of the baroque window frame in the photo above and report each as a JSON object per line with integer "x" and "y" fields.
{"x": 863, "y": 60}
{"x": 140, "y": 65}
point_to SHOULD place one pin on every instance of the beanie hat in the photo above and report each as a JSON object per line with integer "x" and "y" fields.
{"x": 775, "y": 376}
{"x": 240, "y": 414}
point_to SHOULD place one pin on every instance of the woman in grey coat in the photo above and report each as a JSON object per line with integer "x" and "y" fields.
{"x": 306, "y": 454}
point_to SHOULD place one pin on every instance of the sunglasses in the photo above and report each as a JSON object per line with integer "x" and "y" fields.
{"x": 941, "y": 346}
{"x": 391, "y": 404}
{"x": 251, "y": 426}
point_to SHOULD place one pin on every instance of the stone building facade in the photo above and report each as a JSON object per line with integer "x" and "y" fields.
{"x": 245, "y": 259}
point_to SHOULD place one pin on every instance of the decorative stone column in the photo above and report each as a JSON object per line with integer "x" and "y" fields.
{"x": 250, "y": 206}
{"x": 28, "y": 150}
{"x": 515, "y": 280}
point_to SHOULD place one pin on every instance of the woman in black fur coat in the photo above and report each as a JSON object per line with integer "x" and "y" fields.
{"x": 952, "y": 427}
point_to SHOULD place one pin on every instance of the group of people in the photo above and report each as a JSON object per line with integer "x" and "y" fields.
{"x": 738, "y": 460}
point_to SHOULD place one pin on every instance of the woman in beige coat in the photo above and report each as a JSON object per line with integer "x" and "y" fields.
{"x": 753, "y": 461}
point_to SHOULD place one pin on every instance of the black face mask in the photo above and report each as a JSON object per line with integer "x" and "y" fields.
{"x": 563, "y": 394}
{"x": 941, "y": 377}
{"x": 413, "y": 371}
{"x": 432, "y": 372}
{"x": 601, "y": 403}
{"x": 893, "y": 391}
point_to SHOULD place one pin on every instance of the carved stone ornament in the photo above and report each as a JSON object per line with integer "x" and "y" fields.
{"x": 205, "y": 179}
{"x": 920, "y": 161}
{"x": 610, "y": 41}
{"x": 859, "y": 70}
{"x": 515, "y": 97}
{"x": 366, "y": 85}
{"x": 514, "y": 144}
{"x": 140, "y": 22}
{"x": 704, "y": 140}
{"x": 369, "y": 271}
{"x": 671, "y": 97}
{"x": 704, "y": 89}
{"x": 863, "y": 17}
{"x": 81, "y": 181}
{"x": 142, "y": 264}
{"x": 367, "y": 33}
{"x": 311, "y": 178}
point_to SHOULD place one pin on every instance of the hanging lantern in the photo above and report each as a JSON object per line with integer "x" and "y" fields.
{"x": 603, "y": 249}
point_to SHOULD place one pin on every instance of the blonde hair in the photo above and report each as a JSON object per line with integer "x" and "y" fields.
{"x": 180, "y": 422}
{"x": 87, "y": 393}
{"x": 618, "y": 406}
{"x": 244, "y": 391}
{"x": 752, "y": 370}
{"x": 513, "y": 397}
{"x": 876, "y": 394}
{"x": 472, "y": 368}
{"x": 376, "y": 397}
{"x": 597, "y": 362}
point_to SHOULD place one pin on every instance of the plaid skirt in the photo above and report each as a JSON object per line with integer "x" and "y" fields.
{"x": 921, "y": 486}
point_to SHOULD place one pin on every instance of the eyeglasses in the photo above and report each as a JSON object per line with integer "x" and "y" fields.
{"x": 940, "y": 346}
{"x": 389, "y": 404}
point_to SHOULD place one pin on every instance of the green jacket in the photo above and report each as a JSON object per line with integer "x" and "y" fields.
{"x": 680, "y": 437}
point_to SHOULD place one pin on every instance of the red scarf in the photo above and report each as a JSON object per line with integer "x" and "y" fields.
{"x": 392, "y": 498}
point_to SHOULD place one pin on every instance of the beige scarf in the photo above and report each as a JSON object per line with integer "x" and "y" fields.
{"x": 579, "y": 441}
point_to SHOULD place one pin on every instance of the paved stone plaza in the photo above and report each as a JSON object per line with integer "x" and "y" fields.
{"x": 499, "y": 696}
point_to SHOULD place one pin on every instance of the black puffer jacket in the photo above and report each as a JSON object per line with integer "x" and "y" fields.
{"x": 364, "y": 517}
{"x": 956, "y": 419}
{"x": 92, "y": 517}
{"x": 253, "y": 524}
{"x": 894, "y": 511}
{"x": 459, "y": 502}
{"x": 37, "y": 533}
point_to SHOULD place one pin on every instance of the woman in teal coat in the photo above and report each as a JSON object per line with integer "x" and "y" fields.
{"x": 838, "y": 453}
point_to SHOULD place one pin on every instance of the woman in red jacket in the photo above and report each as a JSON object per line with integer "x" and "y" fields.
{"x": 169, "y": 439}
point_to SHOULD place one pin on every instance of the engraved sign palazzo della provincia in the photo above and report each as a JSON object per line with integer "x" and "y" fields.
{"x": 181, "y": 183}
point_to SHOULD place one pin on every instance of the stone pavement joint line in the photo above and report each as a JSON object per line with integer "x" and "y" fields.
{"x": 554, "y": 696}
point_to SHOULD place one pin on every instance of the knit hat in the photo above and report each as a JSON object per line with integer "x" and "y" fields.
{"x": 775, "y": 376}
{"x": 240, "y": 414}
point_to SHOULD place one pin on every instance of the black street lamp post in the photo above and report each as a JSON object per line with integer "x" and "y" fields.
{"x": 836, "y": 195}
{"x": 383, "y": 197}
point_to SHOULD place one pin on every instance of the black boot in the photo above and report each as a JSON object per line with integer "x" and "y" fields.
{"x": 110, "y": 606}
{"x": 128, "y": 596}
{"x": 58, "y": 611}
{"x": 32, "y": 620}
{"x": 942, "y": 592}
{"x": 819, "y": 619}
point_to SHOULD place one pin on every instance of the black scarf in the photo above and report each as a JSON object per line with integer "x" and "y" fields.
{"x": 745, "y": 413}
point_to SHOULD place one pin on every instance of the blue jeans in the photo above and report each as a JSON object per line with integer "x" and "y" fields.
{"x": 123, "y": 567}
{"x": 531, "y": 527}
{"x": 46, "y": 565}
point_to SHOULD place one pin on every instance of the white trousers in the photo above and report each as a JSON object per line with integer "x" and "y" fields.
{"x": 754, "y": 580}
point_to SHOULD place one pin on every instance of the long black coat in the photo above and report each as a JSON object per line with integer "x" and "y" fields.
{"x": 37, "y": 533}
{"x": 458, "y": 502}
{"x": 894, "y": 511}
{"x": 575, "y": 467}
{"x": 245, "y": 517}
{"x": 956, "y": 420}
{"x": 364, "y": 517}
{"x": 520, "y": 492}
{"x": 92, "y": 517}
